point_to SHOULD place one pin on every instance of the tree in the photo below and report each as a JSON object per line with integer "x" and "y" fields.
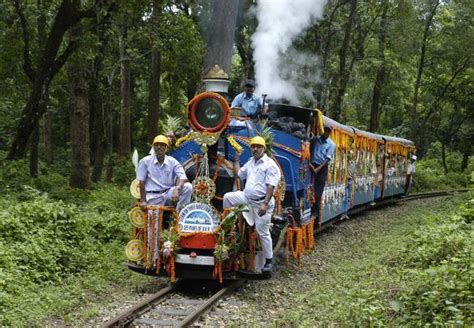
{"x": 220, "y": 36}
{"x": 343, "y": 69}
{"x": 50, "y": 62}
{"x": 380, "y": 77}
{"x": 430, "y": 13}
{"x": 125, "y": 144}
{"x": 80, "y": 177}
{"x": 155, "y": 71}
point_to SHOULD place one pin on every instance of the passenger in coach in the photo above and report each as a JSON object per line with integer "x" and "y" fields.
{"x": 322, "y": 152}
{"x": 250, "y": 103}
{"x": 410, "y": 172}
{"x": 351, "y": 175}
{"x": 262, "y": 175}
{"x": 162, "y": 178}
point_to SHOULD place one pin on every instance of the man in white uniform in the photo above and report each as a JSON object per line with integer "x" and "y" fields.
{"x": 162, "y": 178}
{"x": 262, "y": 175}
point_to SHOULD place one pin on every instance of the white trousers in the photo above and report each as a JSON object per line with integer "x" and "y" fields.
{"x": 262, "y": 223}
{"x": 165, "y": 198}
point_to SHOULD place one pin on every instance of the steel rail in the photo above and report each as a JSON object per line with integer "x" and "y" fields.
{"x": 130, "y": 314}
{"x": 200, "y": 310}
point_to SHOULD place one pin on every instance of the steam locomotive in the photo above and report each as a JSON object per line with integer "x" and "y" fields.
{"x": 203, "y": 240}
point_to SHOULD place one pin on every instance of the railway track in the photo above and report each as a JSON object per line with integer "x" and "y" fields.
{"x": 169, "y": 308}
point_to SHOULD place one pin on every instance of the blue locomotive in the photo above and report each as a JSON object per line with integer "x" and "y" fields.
{"x": 203, "y": 240}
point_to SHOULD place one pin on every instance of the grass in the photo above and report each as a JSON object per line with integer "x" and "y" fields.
{"x": 361, "y": 285}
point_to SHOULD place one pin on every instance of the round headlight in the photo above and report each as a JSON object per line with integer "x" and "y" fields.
{"x": 208, "y": 112}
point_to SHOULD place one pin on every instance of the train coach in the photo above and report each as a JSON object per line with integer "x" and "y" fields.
{"x": 203, "y": 240}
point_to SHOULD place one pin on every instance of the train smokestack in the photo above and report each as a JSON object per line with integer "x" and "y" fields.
{"x": 216, "y": 80}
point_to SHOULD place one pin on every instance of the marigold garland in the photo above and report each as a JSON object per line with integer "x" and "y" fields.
{"x": 296, "y": 250}
{"x": 172, "y": 268}
{"x": 153, "y": 241}
{"x": 183, "y": 139}
{"x": 145, "y": 240}
{"x": 160, "y": 229}
{"x": 305, "y": 150}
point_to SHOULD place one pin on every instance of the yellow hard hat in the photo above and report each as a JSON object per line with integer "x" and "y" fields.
{"x": 258, "y": 141}
{"x": 161, "y": 139}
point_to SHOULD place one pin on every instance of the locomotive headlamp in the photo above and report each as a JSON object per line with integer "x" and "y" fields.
{"x": 208, "y": 112}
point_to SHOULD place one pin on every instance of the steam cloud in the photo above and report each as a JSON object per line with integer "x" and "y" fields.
{"x": 279, "y": 68}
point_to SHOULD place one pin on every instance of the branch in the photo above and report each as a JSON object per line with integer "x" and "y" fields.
{"x": 445, "y": 89}
{"x": 61, "y": 60}
{"x": 26, "y": 41}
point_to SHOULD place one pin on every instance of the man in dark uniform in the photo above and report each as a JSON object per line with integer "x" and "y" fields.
{"x": 322, "y": 152}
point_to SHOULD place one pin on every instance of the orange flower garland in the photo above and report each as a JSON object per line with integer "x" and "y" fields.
{"x": 145, "y": 240}
{"x": 152, "y": 248}
{"x": 172, "y": 269}
{"x": 296, "y": 250}
{"x": 305, "y": 150}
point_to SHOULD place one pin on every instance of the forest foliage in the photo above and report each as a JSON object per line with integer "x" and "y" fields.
{"x": 400, "y": 68}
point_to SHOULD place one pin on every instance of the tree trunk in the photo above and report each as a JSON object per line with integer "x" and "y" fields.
{"x": 48, "y": 138}
{"x": 155, "y": 72}
{"x": 125, "y": 144}
{"x": 108, "y": 115}
{"x": 443, "y": 158}
{"x": 34, "y": 143}
{"x": 322, "y": 93}
{"x": 465, "y": 161}
{"x": 343, "y": 70}
{"x": 220, "y": 37}
{"x": 80, "y": 175}
{"x": 380, "y": 78}
{"x": 421, "y": 66}
{"x": 48, "y": 120}
{"x": 98, "y": 106}
{"x": 50, "y": 63}
{"x": 97, "y": 121}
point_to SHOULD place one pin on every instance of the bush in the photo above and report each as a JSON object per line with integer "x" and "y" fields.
{"x": 429, "y": 175}
{"x": 44, "y": 242}
{"x": 124, "y": 172}
{"x": 438, "y": 265}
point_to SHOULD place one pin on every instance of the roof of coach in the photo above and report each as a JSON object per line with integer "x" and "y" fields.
{"x": 369, "y": 135}
{"x": 401, "y": 141}
{"x": 334, "y": 124}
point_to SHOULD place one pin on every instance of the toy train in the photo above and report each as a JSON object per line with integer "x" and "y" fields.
{"x": 203, "y": 240}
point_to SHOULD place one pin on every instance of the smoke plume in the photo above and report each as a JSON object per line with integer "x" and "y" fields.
{"x": 281, "y": 71}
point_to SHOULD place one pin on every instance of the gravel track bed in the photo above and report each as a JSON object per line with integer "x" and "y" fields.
{"x": 259, "y": 303}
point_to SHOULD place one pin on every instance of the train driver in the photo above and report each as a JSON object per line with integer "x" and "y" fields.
{"x": 262, "y": 175}
{"x": 250, "y": 104}
{"x": 322, "y": 152}
{"x": 162, "y": 178}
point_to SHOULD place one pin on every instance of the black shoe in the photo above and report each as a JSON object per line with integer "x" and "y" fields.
{"x": 268, "y": 267}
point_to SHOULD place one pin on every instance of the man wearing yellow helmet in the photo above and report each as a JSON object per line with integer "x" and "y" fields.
{"x": 162, "y": 178}
{"x": 262, "y": 176}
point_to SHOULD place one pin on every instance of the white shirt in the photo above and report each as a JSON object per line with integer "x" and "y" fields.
{"x": 411, "y": 168}
{"x": 259, "y": 174}
{"x": 159, "y": 177}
